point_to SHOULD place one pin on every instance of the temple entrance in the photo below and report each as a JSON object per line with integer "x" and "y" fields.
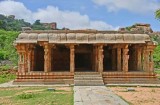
{"x": 83, "y": 61}
{"x": 60, "y": 58}
{"x": 109, "y": 61}
{"x": 39, "y": 58}
{"x": 83, "y": 58}
{"x": 133, "y": 59}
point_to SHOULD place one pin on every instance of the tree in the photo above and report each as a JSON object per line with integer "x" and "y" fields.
{"x": 157, "y": 14}
{"x": 37, "y": 25}
{"x": 7, "y": 50}
{"x": 37, "y": 22}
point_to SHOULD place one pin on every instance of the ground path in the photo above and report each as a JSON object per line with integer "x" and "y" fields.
{"x": 91, "y": 95}
{"x": 96, "y": 95}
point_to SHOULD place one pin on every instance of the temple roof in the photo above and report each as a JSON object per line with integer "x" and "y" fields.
{"x": 81, "y": 36}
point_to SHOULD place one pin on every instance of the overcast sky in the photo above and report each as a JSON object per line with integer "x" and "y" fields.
{"x": 82, "y": 14}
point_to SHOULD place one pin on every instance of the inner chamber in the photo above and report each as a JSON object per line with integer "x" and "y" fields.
{"x": 84, "y": 57}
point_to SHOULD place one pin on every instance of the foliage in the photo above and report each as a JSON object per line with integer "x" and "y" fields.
{"x": 26, "y": 95}
{"x": 156, "y": 56}
{"x": 37, "y": 25}
{"x": 7, "y": 50}
{"x": 130, "y": 27}
{"x": 4, "y": 68}
{"x": 6, "y": 77}
{"x": 157, "y": 14}
{"x": 11, "y": 24}
{"x": 157, "y": 71}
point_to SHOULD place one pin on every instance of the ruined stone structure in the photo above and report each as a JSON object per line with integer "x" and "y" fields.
{"x": 56, "y": 56}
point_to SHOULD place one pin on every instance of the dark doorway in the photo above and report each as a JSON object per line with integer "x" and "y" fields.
{"x": 39, "y": 58}
{"x": 83, "y": 61}
{"x": 60, "y": 58}
{"x": 110, "y": 59}
{"x": 83, "y": 57}
{"x": 132, "y": 59}
{"x": 107, "y": 64}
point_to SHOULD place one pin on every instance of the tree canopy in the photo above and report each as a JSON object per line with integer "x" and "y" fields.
{"x": 9, "y": 23}
{"x": 7, "y": 50}
{"x": 157, "y": 14}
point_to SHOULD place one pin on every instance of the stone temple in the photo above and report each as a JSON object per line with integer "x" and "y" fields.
{"x": 84, "y": 57}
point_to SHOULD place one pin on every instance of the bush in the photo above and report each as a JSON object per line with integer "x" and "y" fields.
{"x": 5, "y": 77}
{"x": 7, "y": 50}
{"x": 156, "y": 56}
{"x": 4, "y": 68}
{"x": 26, "y": 95}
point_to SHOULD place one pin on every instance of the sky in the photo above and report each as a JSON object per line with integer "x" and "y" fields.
{"x": 85, "y": 14}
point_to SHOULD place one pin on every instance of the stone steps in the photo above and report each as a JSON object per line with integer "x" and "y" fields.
{"x": 132, "y": 80}
{"x": 88, "y": 79}
{"x": 86, "y": 73}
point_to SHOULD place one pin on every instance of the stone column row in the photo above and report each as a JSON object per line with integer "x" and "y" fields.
{"x": 26, "y": 58}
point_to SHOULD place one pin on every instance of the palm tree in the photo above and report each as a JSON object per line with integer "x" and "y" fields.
{"x": 157, "y": 14}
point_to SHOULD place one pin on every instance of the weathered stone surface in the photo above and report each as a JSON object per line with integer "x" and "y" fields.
{"x": 96, "y": 95}
{"x": 88, "y": 79}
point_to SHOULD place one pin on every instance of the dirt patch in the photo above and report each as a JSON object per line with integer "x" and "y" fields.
{"x": 6, "y": 101}
{"x": 141, "y": 95}
{"x": 14, "y": 88}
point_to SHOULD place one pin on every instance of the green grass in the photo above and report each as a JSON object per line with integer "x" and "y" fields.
{"x": 157, "y": 71}
{"x": 6, "y": 77}
{"x": 35, "y": 96}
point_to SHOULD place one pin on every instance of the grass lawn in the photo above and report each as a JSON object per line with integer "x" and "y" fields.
{"x": 36, "y": 96}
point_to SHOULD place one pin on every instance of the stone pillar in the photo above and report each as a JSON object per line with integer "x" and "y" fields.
{"x": 32, "y": 59}
{"x": 119, "y": 64}
{"x": 49, "y": 59}
{"x": 151, "y": 63}
{"x": 139, "y": 58}
{"x": 96, "y": 58}
{"x": 146, "y": 60}
{"x": 113, "y": 59}
{"x": 72, "y": 56}
{"x": 100, "y": 58}
{"x": 25, "y": 61}
{"x": 46, "y": 57}
{"x": 125, "y": 59}
{"x": 29, "y": 61}
{"x": 21, "y": 63}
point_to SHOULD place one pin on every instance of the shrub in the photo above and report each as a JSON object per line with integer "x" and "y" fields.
{"x": 26, "y": 95}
